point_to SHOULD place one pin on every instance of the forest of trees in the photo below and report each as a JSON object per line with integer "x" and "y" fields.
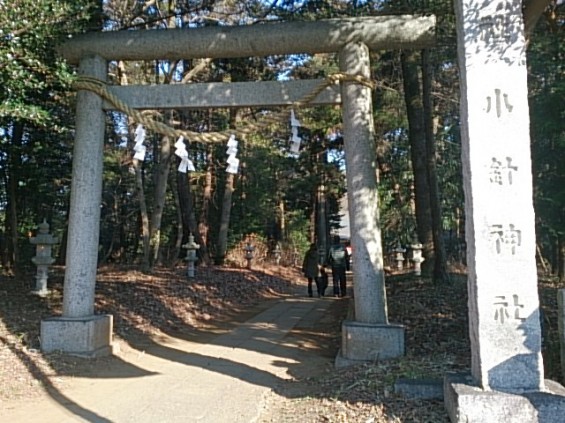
{"x": 149, "y": 208}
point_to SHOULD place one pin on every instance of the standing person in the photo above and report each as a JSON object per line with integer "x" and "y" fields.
{"x": 338, "y": 258}
{"x": 323, "y": 281}
{"x": 311, "y": 268}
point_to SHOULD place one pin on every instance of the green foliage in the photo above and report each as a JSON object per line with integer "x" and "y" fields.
{"x": 35, "y": 96}
{"x": 30, "y": 73}
{"x": 298, "y": 231}
{"x": 546, "y": 83}
{"x": 35, "y": 116}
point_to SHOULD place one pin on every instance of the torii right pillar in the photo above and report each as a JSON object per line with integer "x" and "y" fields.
{"x": 369, "y": 336}
{"x": 506, "y": 383}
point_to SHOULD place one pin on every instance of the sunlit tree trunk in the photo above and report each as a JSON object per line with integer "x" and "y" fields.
{"x": 140, "y": 189}
{"x": 203, "y": 225}
{"x": 225, "y": 218}
{"x": 323, "y": 230}
{"x": 161, "y": 183}
{"x": 313, "y": 216}
{"x": 177, "y": 190}
{"x": 144, "y": 216}
{"x": 281, "y": 218}
{"x": 561, "y": 259}
{"x": 439, "y": 266}
{"x": 187, "y": 214}
{"x": 14, "y": 166}
{"x": 225, "y": 215}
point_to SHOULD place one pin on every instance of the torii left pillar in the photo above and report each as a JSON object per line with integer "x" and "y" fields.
{"x": 79, "y": 331}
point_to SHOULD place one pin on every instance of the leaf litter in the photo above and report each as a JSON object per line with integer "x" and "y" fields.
{"x": 142, "y": 304}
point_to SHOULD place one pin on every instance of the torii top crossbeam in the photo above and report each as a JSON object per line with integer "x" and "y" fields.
{"x": 325, "y": 36}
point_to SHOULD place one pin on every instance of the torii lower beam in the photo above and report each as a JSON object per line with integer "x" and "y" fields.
{"x": 220, "y": 94}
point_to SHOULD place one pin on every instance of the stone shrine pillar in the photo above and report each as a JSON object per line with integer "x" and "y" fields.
{"x": 370, "y": 336}
{"x": 504, "y": 317}
{"x": 78, "y": 331}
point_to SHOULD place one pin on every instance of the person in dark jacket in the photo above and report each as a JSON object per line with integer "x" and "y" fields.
{"x": 311, "y": 269}
{"x": 322, "y": 281}
{"x": 338, "y": 259}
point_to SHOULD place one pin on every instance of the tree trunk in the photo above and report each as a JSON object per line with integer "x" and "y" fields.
{"x": 203, "y": 225}
{"x": 561, "y": 259}
{"x": 144, "y": 216}
{"x": 187, "y": 206}
{"x": 140, "y": 189}
{"x": 161, "y": 183}
{"x": 313, "y": 216}
{"x": 5, "y": 230}
{"x": 115, "y": 247}
{"x": 63, "y": 245}
{"x": 281, "y": 220}
{"x": 323, "y": 239}
{"x": 440, "y": 274}
{"x": 188, "y": 216}
{"x": 416, "y": 135}
{"x": 225, "y": 218}
{"x": 176, "y": 190}
{"x": 227, "y": 202}
{"x": 14, "y": 167}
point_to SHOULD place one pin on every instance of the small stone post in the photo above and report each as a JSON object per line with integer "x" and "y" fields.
{"x": 191, "y": 248}
{"x": 417, "y": 258}
{"x": 277, "y": 253}
{"x": 399, "y": 256}
{"x": 507, "y": 376}
{"x": 43, "y": 259}
{"x": 249, "y": 253}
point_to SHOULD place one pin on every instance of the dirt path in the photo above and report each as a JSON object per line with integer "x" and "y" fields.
{"x": 266, "y": 351}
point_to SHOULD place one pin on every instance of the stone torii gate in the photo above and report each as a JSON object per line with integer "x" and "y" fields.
{"x": 369, "y": 336}
{"x": 507, "y": 377}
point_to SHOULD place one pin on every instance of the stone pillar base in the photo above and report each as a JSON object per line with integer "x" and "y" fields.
{"x": 367, "y": 342}
{"x": 467, "y": 403}
{"x": 89, "y": 336}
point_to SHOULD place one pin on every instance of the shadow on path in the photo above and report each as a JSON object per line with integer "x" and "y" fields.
{"x": 249, "y": 348}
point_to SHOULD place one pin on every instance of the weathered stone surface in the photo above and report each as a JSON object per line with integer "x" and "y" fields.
{"x": 353, "y": 37}
{"x": 324, "y": 36}
{"x": 362, "y": 192}
{"x": 220, "y": 94}
{"x": 369, "y": 342}
{"x": 88, "y": 336}
{"x": 419, "y": 388}
{"x": 468, "y": 403}
{"x": 507, "y": 383}
{"x": 504, "y": 321}
{"x": 86, "y": 193}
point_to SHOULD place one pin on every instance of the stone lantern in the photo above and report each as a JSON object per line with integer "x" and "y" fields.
{"x": 249, "y": 253}
{"x": 417, "y": 258}
{"x": 399, "y": 256}
{"x": 43, "y": 245}
{"x": 277, "y": 253}
{"x": 191, "y": 248}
